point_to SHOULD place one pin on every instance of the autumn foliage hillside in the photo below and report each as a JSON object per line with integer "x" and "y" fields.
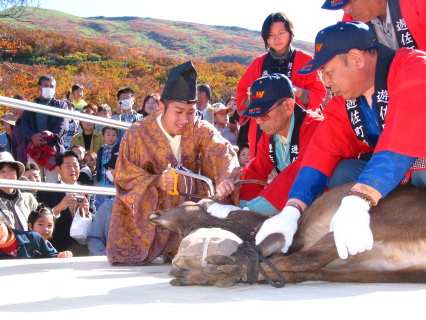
{"x": 104, "y": 54}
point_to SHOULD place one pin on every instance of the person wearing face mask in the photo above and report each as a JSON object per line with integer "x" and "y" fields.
{"x": 124, "y": 108}
{"x": 33, "y": 124}
{"x": 98, "y": 235}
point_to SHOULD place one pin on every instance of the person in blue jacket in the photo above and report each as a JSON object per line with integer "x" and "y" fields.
{"x": 17, "y": 244}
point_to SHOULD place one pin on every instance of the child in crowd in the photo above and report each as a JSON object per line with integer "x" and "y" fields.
{"x": 75, "y": 94}
{"x": 110, "y": 136}
{"x": 90, "y": 159}
{"x": 243, "y": 155}
{"x": 32, "y": 172}
{"x": 104, "y": 111}
{"x": 42, "y": 221}
{"x": 18, "y": 244}
{"x": 221, "y": 123}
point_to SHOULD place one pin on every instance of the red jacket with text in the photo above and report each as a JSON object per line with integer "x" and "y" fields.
{"x": 261, "y": 166}
{"x": 405, "y": 121}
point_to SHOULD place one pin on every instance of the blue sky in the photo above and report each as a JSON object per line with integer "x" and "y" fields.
{"x": 307, "y": 16}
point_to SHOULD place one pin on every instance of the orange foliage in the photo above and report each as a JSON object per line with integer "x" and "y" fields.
{"x": 100, "y": 67}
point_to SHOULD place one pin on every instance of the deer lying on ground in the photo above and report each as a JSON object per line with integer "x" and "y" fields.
{"x": 398, "y": 224}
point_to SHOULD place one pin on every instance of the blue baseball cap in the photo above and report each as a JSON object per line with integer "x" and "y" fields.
{"x": 337, "y": 39}
{"x": 335, "y": 4}
{"x": 265, "y": 91}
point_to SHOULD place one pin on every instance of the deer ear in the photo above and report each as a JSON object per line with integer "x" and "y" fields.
{"x": 205, "y": 203}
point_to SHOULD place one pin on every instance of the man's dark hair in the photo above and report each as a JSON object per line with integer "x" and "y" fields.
{"x": 109, "y": 128}
{"x": 46, "y": 77}
{"x": 60, "y": 157}
{"x": 125, "y": 90}
{"x": 203, "y": 87}
{"x": 275, "y": 17}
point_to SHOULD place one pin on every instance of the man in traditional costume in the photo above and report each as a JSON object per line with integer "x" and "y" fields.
{"x": 397, "y": 23}
{"x": 176, "y": 138}
{"x": 372, "y": 133}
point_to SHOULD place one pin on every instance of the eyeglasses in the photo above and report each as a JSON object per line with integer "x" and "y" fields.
{"x": 265, "y": 116}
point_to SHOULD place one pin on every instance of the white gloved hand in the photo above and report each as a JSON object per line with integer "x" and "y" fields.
{"x": 285, "y": 222}
{"x": 221, "y": 210}
{"x": 351, "y": 227}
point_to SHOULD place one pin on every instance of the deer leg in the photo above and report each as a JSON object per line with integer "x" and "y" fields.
{"x": 359, "y": 274}
{"x": 313, "y": 258}
{"x": 316, "y": 256}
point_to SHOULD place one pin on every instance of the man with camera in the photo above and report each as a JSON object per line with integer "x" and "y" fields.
{"x": 66, "y": 205}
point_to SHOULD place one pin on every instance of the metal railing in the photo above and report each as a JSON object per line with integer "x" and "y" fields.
{"x": 35, "y": 107}
{"x": 46, "y": 186}
{"x": 28, "y": 185}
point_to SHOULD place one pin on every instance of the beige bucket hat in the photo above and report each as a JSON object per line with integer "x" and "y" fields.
{"x": 9, "y": 118}
{"x": 7, "y": 157}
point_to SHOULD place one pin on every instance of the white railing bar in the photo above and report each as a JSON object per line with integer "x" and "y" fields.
{"x": 56, "y": 187}
{"x": 35, "y": 107}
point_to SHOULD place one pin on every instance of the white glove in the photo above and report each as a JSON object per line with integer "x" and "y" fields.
{"x": 284, "y": 222}
{"x": 351, "y": 227}
{"x": 221, "y": 210}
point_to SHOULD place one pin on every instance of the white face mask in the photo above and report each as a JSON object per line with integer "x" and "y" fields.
{"x": 109, "y": 175}
{"x": 48, "y": 93}
{"x": 125, "y": 104}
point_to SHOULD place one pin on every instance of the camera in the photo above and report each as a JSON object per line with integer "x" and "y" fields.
{"x": 79, "y": 199}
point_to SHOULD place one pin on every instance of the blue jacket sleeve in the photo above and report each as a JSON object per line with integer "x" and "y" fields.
{"x": 309, "y": 184}
{"x": 385, "y": 171}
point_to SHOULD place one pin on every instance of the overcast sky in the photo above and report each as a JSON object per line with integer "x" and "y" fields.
{"x": 307, "y": 15}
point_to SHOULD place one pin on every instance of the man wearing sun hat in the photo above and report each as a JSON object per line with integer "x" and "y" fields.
{"x": 177, "y": 138}
{"x": 287, "y": 129}
{"x": 397, "y": 23}
{"x": 373, "y": 86}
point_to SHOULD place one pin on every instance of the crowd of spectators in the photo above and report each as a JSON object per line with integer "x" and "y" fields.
{"x": 46, "y": 148}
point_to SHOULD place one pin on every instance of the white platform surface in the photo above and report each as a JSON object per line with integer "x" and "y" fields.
{"x": 89, "y": 288}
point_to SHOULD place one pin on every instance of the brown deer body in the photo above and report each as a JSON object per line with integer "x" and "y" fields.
{"x": 398, "y": 224}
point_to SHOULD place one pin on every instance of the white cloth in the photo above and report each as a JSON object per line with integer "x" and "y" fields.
{"x": 174, "y": 141}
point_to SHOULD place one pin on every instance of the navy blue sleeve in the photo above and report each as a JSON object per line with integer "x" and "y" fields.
{"x": 385, "y": 171}
{"x": 309, "y": 184}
